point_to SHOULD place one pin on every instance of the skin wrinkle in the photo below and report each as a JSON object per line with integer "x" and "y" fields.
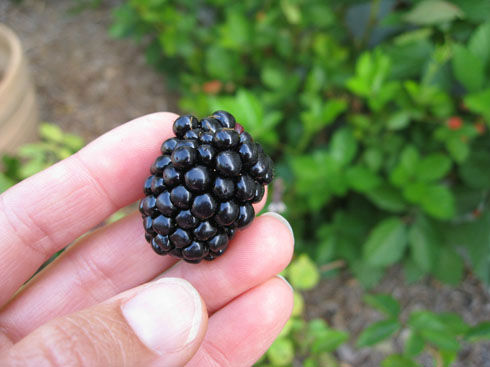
{"x": 99, "y": 187}
{"x": 213, "y": 353}
{"x": 64, "y": 350}
{"x": 20, "y": 226}
{"x": 86, "y": 265}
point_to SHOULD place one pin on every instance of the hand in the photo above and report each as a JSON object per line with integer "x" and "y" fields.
{"x": 88, "y": 307}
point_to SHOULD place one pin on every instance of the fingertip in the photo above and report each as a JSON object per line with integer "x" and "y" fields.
{"x": 279, "y": 226}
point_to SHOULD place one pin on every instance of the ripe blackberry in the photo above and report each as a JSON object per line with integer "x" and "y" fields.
{"x": 202, "y": 187}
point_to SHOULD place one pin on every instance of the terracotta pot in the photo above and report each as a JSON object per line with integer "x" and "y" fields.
{"x": 18, "y": 107}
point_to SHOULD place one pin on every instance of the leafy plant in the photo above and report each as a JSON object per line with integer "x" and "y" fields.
{"x": 379, "y": 132}
{"x": 54, "y": 146}
{"x": 440, "y": 334}
{"x": 313, "y": 341}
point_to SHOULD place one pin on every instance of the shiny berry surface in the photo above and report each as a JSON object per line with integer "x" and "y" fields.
{"x": 201, "y": 189}
{"x": 184, "y": 124}
{"x": 183, "y": 157}
{"x": 226, "y": 119}
{"x": 204, "y": 206}
{"x": 181, "y": 197}
{"x": 197, "y": 179}
{"x": 226, "y": 139}
{"x": 223, "y": 188}
{"x": 228, "y": 163}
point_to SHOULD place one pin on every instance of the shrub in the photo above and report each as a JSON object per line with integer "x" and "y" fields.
{"x": 32, "y": 158}
{"x": 314, "y": 343}
{"x": 377, "y": 114}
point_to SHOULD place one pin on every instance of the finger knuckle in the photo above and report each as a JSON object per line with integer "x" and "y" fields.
{"x": 60, "y": 346}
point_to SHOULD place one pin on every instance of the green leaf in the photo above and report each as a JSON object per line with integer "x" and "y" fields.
{"x": 386, "y": 242}
{"x": 299, "y": 304}
{"x": 414, "y": 345}
{"x": 433, "y": 167}
{"x": 412, "y": 271}
{"x": 433, "y": 12}
{"x": 406, "y": 167}
{"x": 458, "y": 148}
{"x": 343, "y": 146}
{"x": 448, "y": 357}
{"x": 236, "y": 31}
{"x": 321, "y": 114}
{"x": 397, "y": 360}
{"x": 5, "y": 182}
{"x": 222, "y": 64}
{"x": 479, "y": 44}
{"x": 421, "y": 320}
{"x": 316, "y": 175}
{"x": 73, "y": 142}
{"x": 273, "y": 77}
{"x": 478, "y": 103}
{"x": 373, "y": 157}
{"x": 249, "y": 111}
{"x": 362, "y": 179}
{"x": 475, "y": 237}
{"x": 328, "y": 340}
{"x": 303, "y": 273}
{"x": 281, "y": 352}
{"x": 384, "y": 303}
{"x": 440, "y": 338}
{"x": 449, "y": 267}
{"x": 468, "y": 68}
{"x": 479, "y": 332}
{"x": 377, "y": 332}
{"x": 475, "y": 10}
{"x": 424, "y": 241}
{"x": 291, "y": 11}
{"x": 454, "y": 323}
{"x": 438, "y": 201}
{"x": 51, "y": 132}
{"x": 367, "y": 275}
{"x": 388, "y": 198}
{"x": 475, "y": 171}
{"x": 398, "y": 121}
{"x": 287, "y": 328}
{"x": 333, "y": 108}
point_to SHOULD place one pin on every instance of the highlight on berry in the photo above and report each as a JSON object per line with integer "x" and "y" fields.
{"x": 202, "y": 187}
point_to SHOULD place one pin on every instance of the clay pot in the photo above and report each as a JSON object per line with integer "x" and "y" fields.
{"x": 18, "y": 107}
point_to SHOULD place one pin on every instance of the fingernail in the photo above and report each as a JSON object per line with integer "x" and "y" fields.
{"x": 280, "y": 218}
{"x": 285, "y": 281}
{"x": 166, "y": 316}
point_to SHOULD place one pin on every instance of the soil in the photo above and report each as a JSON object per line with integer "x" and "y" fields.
{"x": 86, "y": 81}
{"x": 339, "y": 301}
{"x": 89, "y": 83}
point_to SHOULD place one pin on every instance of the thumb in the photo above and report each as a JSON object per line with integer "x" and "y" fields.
{"x": 160, "y": 323}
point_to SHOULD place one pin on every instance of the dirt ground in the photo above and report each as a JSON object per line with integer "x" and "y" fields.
{"x": 88, "y": 83}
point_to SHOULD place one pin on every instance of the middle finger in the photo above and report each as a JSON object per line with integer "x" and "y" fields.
{"x": 111, "y": 262}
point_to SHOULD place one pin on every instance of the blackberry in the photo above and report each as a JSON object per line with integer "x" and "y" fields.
{"x": 202, "y": 187}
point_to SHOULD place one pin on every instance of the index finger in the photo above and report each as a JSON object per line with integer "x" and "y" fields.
{"x": 44, "y": 213}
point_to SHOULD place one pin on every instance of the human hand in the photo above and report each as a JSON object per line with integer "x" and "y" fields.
{"x": 88, "y": 307}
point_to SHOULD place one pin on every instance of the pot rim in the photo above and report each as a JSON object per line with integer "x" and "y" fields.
{"x": 14, "y": 60}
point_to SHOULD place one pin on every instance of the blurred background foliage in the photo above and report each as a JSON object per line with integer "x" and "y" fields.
{"x": 377, "y": 116}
